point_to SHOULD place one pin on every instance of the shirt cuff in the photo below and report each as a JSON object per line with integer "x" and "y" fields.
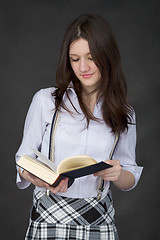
{"x": 21, "y": 182}
{"x": 136, "y": 171}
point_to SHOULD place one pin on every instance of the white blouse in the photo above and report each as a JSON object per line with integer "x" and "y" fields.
{"x": 73, "y": 138}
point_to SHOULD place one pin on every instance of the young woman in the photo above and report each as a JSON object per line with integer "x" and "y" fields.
{"x": 91, "y": 102}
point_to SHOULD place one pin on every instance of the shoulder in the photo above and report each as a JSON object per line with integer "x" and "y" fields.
{"x": 132, "y": 116}
{"x": 45, "y": 93}
{"x": 44, "y": 96}
{"x": 43, "y": 100}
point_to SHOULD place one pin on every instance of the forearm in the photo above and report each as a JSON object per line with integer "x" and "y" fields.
{"x": 62, "y": 187}
{"x": 126, "y": 180}
{"x": 121, "y": 178}
{"x": 32, "y": 179}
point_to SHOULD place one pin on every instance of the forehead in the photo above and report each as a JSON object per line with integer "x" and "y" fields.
{"x": 79, "y": 46}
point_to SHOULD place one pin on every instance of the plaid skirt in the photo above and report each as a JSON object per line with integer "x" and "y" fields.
{"x": 56, "y": 217}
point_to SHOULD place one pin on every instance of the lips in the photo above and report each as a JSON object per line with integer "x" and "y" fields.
{"x": 87, "y": 75}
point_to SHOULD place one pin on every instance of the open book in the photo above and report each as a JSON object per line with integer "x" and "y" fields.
{"x": 71, "y": 167}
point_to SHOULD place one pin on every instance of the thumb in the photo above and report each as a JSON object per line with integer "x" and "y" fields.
{"x": 109, "y": 162}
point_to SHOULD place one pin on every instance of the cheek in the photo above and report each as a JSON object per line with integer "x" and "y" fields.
{"x": 74, "y": 68}
{"x": 99, "y": 73}
{"x": 97, "y": 70}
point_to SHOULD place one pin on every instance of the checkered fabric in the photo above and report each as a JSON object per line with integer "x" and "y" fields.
{"x": 61, "y": 218}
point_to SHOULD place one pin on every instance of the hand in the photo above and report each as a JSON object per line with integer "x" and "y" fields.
{"x": 110, "y": 174}
{"x": 62, "y": 187}
{"x": 32, "y": 179}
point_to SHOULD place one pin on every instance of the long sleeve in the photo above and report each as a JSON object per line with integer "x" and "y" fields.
{"x": 126, "y": 152}
{"x": 33, "y": 132}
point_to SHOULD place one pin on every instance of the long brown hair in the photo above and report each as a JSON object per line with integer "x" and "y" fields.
{"x": 105, "y": 53}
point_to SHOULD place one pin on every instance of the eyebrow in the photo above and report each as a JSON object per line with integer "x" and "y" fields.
{"x": 73, "y": 54}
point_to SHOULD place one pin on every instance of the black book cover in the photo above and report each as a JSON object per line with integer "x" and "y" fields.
{"x": 81, "y": 172}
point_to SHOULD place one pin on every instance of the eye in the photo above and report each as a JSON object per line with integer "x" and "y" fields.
{"x": 90, "y": 58}
{"x": 74, "y": 60}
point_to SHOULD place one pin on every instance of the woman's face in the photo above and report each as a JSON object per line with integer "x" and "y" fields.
{"x": 83, "y": 65}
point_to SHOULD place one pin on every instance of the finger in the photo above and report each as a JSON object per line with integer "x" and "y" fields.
{"x": 109, "y": 162}
{"x": 63, "y": 189}
{"x": 101, "y": 173}
{"x": 65, "y": 186}
{"x": 62, "y": 186}
{"x": 108, "y": 170}
{"x": 38, "y": 182}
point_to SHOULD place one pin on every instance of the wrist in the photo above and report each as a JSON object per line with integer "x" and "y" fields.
{"x": 125, "y": 180}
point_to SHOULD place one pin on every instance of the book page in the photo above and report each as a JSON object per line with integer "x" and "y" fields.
{"x": 37, "y": 168}
{"x": 75, "y": 162}
{"x": 44, "y": 159}
{"x": 34, "y": 161}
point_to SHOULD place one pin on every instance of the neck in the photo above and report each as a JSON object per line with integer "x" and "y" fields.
{"x": 90, "y": 100}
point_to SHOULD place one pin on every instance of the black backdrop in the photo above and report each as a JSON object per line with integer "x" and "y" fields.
{"x": 31, "y": 36}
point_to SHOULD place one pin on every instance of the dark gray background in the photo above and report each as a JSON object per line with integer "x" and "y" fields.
{"x": 31, "y": 36}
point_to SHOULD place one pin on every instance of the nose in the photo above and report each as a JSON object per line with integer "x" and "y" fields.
{"x": 84, "y": 66}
